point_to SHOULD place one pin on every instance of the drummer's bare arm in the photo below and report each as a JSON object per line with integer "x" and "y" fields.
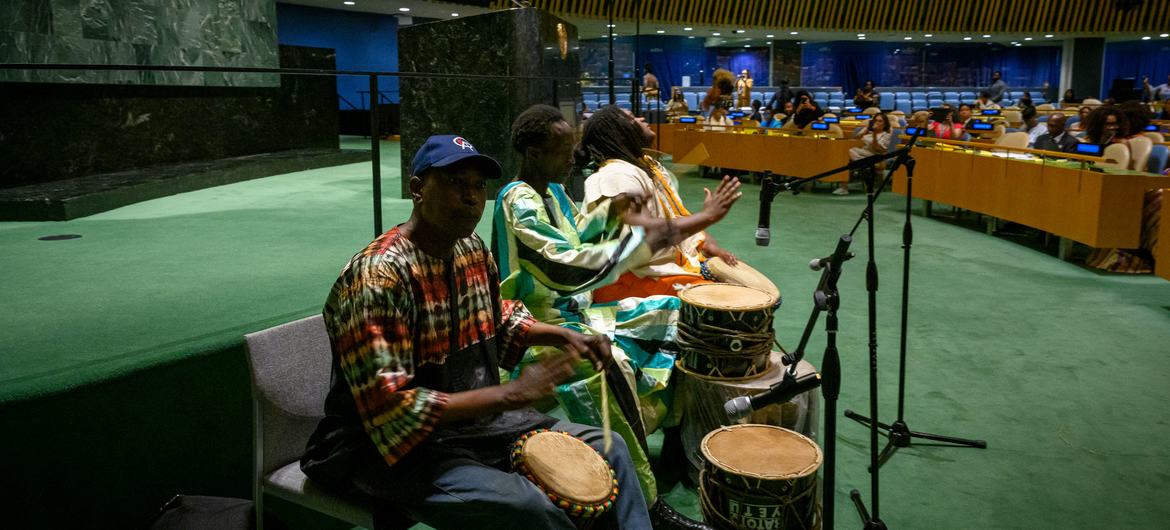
{"x": 662, "y": 233}
{"x": 595, "y": 348}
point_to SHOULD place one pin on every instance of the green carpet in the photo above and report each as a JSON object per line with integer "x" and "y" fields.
{"x": 123, "y": 380}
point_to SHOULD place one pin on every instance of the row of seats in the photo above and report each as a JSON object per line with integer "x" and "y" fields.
{"x": 907, "y": 102}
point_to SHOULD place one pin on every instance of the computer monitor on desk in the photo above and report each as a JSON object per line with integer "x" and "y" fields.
{"x": 819, "y": 126}
{"x": 981, "y": 126}
{"x": 834, "y": 119}
{"x": 1090, "y": 149}
{"x": 687, "y": 119}
{"x": 989, "y": 112}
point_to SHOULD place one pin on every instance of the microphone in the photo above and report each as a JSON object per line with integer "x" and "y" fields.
{"x": 767, "y": 192}
{"x": 786, "y": 389}
{"x": 840, "y": 252}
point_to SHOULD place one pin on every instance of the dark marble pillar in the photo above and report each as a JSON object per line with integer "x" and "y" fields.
{"x": 513, "y": 42}
{"x": 786, "y": 62}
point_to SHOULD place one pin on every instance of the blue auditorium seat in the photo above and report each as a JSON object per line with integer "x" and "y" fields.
{"x": 934, "y": 101}
{"x": 1158, "y": 159}
{"x": 694, "y": 99}
{"x": 1071, "y": 120}
{"x": 934, "y": 94}
{"x": 820, "y": 96}
{"x": 836, "y": 100}
{"x": 952, "y": 98}
{"x": 767, "y": 97}
{"x": 967, "y": 97}
{"x": 759, "y": 96}
{"x": 886, "y": 100}
{"x": 625, "y": 104}
{"x": 901, "y": 95}
{"x": 904, "y": 106}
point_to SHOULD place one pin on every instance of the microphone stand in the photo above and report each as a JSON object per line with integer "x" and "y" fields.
{"x": 899, "y": 434}
{"x": 872, "y": 521}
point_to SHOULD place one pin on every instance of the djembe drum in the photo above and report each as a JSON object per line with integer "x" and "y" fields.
{"x": 759, "y": 476}
{"x": 725, "y": 331}
{"x": 702, "y": 399}
{"x": 574, "y": 476}
{"x": 741, "y": 273}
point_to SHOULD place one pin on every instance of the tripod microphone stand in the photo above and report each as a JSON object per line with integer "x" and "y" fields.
{"x": 899, "y": 434}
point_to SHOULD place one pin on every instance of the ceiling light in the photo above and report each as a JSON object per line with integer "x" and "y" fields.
{"x": 738, "y": 31}
{"x": 907, "y": 38}
{"x": 860, "y": 38}
{"x": 688, "y": 28}
{"x": 454, "y": 14}
{"x": 610, "y": 26}
{"x": 1027, "y": 38}
{"x": 966, "y": 38}
{"x": 1049, "y": 36}
{"x": 928, "y": 35}
{"x": 404, "y": 9}
{"x": 860, "y": 34}
{"x": 747, "y": 46}
{"x": 987, "y": 36}
{"x": 716, "y": 34}
{"x": 770, "y": 36}
{"x": 1164, "y": 35}
{"x": 1147, "y": 37}
{"x": 794, "y": 33}
{"x": 691, "y": 37}
{"x": 348, "y": 3}
{"x": 660, "y": 31}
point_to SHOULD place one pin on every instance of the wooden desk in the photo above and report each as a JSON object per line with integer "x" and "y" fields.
{"x": 738, "y": 148}
{"x": 1162, "y": 252}
{"x": 1101, "y": 210}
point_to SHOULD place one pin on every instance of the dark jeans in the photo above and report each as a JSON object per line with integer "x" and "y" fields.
{"x": 461, "y": 493}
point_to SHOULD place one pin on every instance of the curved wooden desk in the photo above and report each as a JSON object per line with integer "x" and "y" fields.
{"x": 780, "y": 151}
{"x": 1102, "y": 210}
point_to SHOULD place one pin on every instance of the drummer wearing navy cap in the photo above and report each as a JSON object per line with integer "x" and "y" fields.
{"x": 416, "y": 417}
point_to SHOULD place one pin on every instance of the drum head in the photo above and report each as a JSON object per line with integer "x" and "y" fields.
{"x": 762, "y": 451}
{"x": 727, "y": 296}
{"x": 569, "y": 467}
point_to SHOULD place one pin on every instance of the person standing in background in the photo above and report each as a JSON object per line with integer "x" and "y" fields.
{"x": 784, "y": 95}
{"x": 650, "y": 83}
{"x": 743, "y": 89}
{"x": 997, "y": 88}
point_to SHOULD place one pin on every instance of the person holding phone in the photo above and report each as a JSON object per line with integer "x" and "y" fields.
{"x": 806, "y": 111}
{"x": 944, "y": 124}
{"x": 875, "y": 138}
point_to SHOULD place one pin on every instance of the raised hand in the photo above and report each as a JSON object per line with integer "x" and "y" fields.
{"x": 716, "y": 205}
{"x": 541, "y": 379}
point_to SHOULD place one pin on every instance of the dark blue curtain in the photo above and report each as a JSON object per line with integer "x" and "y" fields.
{"x": 754, "y": 60}
{"x": 674, "y": 57}
{"x": 1134, "y": 60}
{"x": 850, "y": 63}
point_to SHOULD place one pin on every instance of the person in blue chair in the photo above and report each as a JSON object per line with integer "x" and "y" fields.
{"x": 416, "y": 418}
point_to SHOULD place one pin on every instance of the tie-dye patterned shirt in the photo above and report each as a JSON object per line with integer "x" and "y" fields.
{"x": 396, "y": 354}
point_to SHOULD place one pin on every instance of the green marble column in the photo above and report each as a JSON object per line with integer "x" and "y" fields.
{"x": 513, "y": 42}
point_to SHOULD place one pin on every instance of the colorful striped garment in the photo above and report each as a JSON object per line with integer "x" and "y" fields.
{"x": 390, "y": 320}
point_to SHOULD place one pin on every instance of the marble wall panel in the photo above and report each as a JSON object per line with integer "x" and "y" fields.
{"x": 238, "y": 33}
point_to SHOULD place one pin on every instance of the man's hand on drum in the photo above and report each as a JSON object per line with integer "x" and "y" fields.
{"x": 594, "y": 348}
{"x": 713, "y": 250}
{"x": 716, "y": 205}
{"x": 540, "y": 379}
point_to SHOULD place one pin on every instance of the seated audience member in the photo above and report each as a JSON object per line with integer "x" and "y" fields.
{"x": 1106, "y": 125}
{"x": 677, "y": 105}
{"x": 718, "y": 117}
{"x": 920, "y": 119}
{"x": 1057, "y": 138}
{"x": 806, "y": 110}
{"x": 1137, "y": 116}
{"x": 755, "y": 115}
{"x": 947, "y": 129}
{"x": 1025, "y": 101}
{"x": 1032, "y": 125}
{"x": 866, "y": 96}
{"x": 965, "y": 112}
{"x": 766, "y": 117}
{"x": 1165, "y": 113}
{"x": 1069, "y": 98}
{"x": 985, "y": 102}
{"x": 416, "y": 418}
{"x": 615, "y": 144}
{"x": 1082, "y": 118}
{"x": 875, "y": 138}
{"x": 1114, "y": 124}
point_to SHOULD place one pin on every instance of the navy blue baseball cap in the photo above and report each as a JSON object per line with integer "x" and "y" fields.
{"x": 443, "y": 150}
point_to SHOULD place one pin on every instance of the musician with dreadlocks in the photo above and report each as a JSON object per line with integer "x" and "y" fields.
{"x": 614, "y": 140}
{"x": 551, "y": 256}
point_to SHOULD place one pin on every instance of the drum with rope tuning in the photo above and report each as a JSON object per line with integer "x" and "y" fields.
{"x": 725, "y": 331}
{"x": 759, "y": 476}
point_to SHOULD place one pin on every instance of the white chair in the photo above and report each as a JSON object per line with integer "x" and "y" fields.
{"x": 1139, "y": 152}
{"x": 1116, "y": 155}
{"x": 1013, "y": 139}
{"x": 1155, "y": 136}
{"x": 1091, "y": 102}
{"x": 291, "y": 365}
